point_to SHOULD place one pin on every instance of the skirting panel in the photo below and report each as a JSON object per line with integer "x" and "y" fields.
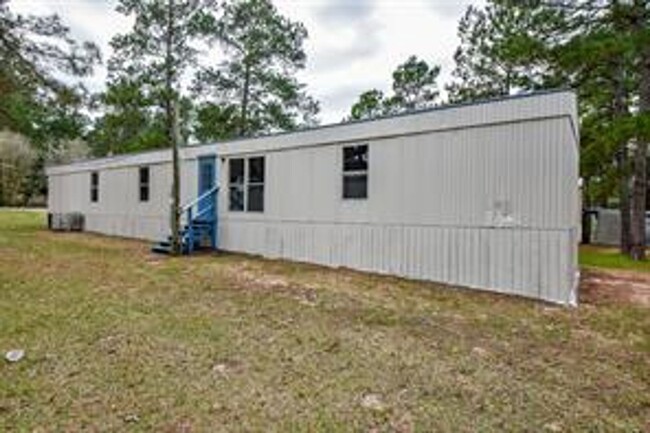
{"x": 533, "y": 263}
{"x": 128, "y": 226}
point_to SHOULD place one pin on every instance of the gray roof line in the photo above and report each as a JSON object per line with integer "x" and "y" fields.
{"x": 332, "y": 125}
{"x": 403, "y": 114}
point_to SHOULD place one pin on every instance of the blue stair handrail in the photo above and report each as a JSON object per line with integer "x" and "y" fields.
{"x": 209, "y": 211}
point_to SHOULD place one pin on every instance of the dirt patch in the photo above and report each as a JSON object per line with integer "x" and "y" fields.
{"x": 615, "y": 286}
{"x": 251, "y": 278}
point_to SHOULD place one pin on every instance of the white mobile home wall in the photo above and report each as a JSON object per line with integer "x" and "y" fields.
{"x": 119, "y": 211}
{"x": 483, "y": 195}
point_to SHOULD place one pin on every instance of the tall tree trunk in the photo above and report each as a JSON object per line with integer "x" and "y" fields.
{"x": 619, "y": 112}
{"x": 586, "y": 217}
{"x": 243, "y": 128}
{"x": 624, "y": 200}
{"x": 171, "y": 119}
{"x": 639, "y": 187}
{"x": 637, "y": 248}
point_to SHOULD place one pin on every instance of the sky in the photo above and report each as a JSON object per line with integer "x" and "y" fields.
{"x": 353, "y": 45}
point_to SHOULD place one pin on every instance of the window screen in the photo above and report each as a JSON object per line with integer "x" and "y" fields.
{"x": 355, "y": 172}
{"x": 255, "y": 202}
{"x": 144, "y": 183}
{"x": 246, "y": 184}
{"x": 94, "y": 187}
{"x": 236, "y": 184}
{"x": 355, "y": 186}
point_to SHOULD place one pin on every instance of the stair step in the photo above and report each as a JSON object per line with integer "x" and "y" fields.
{"x": 160, "y": 248}
{"x": 166, "y": 248}
{"x": 199, "y": 229}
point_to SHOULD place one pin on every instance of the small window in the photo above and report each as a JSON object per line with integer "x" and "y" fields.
{"x": 355, "y": 172}
{"x": 255, "y": 186}
{"x": 236, "y": 184}
{"x": 94, "y": 187}
{"x": 144, "y": 183}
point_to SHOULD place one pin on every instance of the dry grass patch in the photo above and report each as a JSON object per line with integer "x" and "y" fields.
{"x": 120, "y": 340}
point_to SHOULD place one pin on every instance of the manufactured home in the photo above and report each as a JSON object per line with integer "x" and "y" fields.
{"x": 482, "y": 195}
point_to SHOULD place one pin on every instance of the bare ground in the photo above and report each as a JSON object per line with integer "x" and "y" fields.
{"x": 599, "y": 286}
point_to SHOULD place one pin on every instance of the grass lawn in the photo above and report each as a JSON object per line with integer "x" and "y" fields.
{"x": 610, "y": 258}
{"x": 117, "y": 339}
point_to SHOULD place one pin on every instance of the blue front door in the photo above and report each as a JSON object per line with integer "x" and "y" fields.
{"x": 207, "y": 179}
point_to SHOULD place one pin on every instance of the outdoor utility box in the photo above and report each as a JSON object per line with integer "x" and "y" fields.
{"x": 67, "y": 222}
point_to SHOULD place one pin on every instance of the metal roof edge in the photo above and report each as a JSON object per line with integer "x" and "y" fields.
{"x": 416, "y": 112}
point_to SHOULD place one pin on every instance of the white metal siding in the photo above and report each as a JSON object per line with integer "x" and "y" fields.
{"x": 432, "y": 209}
{"x": 460, "y": 178}
{"x": 119, "y": 210}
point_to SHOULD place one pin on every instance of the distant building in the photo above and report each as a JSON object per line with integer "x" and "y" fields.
{"x": 606, "y": 226}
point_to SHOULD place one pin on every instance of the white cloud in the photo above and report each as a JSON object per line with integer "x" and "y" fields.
{"x": 353, "y": 45}
{"x": 336, "y": 11}
{"x": 449, "y": 8}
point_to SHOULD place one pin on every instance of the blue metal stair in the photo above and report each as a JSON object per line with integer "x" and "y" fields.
{"x": 199, "y": 231}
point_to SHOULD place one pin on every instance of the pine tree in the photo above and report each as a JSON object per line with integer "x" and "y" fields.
{"x": 414, "y": 87}
{"x": 607, "y": 56}
{"x": 482, "y": 70}
{"x": 157, "y": 52}
{"x": 264, "y": 51}
{"x": 216, "y": 122}
{"x": 370, "y": 104}
{"x": 597, "y": 55}
{"x": 640, "y": 20}
{"x": 36, "y": 53}
{"x": 132, "y": 121}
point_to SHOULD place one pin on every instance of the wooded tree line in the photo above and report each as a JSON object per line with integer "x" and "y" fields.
{"x": 163, "y": 81}
{"x": 163, "y": 70}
